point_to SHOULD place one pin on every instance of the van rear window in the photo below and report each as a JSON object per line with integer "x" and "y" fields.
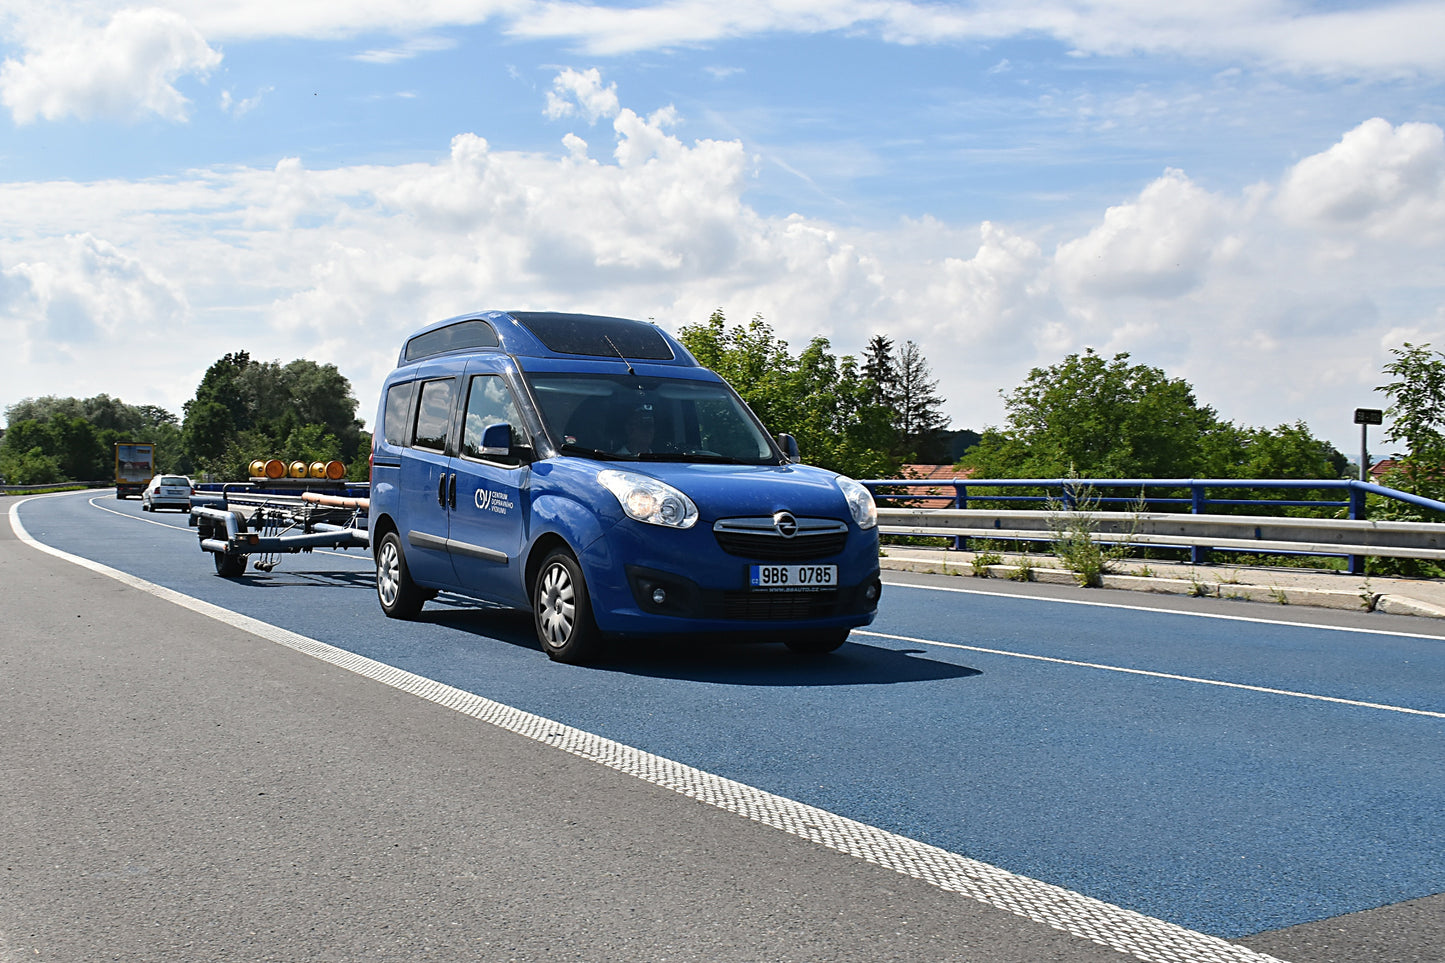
{"x": 594, "y": 336}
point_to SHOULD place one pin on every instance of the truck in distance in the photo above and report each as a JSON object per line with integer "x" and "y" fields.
{"x": 134, "y": 467}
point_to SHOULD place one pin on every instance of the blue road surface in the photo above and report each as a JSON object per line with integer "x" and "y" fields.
{"x": 1227, "y": 810}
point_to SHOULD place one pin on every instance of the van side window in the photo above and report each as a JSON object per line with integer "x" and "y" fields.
{"x": 454, "y": 337}
{"x": 398, "y": 406}
{"x": 434, "y": 414}
{"x": 490, "y": 402}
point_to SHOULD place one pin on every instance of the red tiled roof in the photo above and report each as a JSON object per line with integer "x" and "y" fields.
{"x": 935, "y": 472}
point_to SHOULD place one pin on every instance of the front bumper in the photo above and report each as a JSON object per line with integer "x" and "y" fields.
{"x": 646, "y": 580}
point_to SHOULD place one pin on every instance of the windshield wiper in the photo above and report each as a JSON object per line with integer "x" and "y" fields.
{"x": 692, "y": 456}
{"x": 572, "y": 449}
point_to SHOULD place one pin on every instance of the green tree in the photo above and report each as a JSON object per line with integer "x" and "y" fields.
{"x": 29, "y": 467}
{"x": 77, "y": 436}
{"x": 217, "y": 412}
{"x": 1108, "y": 418}
{"x": 245, "y": 409}
{"x": 826, "y": 402}
{"x": 1100, "y": 418}
{"x": 920, "y": 421}
{"x": 1417, "y": 414}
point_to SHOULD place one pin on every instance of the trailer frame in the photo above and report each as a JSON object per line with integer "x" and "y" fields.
{"x": 241, "y": 524}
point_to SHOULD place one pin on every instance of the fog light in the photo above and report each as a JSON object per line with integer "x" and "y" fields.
{"x": 871, "y": 592}
{"x": 659, "y": 596}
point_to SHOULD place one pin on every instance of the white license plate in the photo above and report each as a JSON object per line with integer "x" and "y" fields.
{"x": 793, "y": 576}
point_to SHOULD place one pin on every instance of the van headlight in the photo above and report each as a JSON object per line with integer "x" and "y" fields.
{"x": 648, "y": 500}
{"x": 860, "y": 502}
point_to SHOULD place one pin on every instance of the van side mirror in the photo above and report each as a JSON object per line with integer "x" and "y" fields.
{"x": 496, "y": 441}
{"x": 789, "y": 445}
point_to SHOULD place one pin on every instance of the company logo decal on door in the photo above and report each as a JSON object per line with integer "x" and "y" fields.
{"x": 490, "y": 501}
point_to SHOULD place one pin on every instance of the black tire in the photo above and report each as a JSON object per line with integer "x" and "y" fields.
{"x": 229, "y": 564}
{"x": 562, "y": 611}
{"x": 818, "y": 643}
{"x": 400, "y": 597}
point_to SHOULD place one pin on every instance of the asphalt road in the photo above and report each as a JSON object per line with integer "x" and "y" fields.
{"x": 184, "y": 788}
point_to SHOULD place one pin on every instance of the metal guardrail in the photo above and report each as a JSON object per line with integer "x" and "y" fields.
{"x": 50, "y": 487}
{"x": 940, "y": 508}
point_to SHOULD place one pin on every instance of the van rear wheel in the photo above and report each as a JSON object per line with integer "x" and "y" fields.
{"x": 400, "y": 597}
{"x": 562, "y": 610}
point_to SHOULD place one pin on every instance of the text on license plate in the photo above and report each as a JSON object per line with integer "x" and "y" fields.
{"x": 793, "y": 576}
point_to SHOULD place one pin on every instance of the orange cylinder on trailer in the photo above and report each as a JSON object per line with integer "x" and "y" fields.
{"x": 335, "y": 470}
{"x": 275, "y": 468}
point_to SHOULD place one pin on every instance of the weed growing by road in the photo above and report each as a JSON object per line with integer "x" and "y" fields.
{"x": 982, "y": 560}
{"x": 1075, "y": 525}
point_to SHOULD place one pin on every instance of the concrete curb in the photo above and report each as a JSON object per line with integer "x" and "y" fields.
{"x": 1286, "y": 591}
{"x": 1400, "y": 605}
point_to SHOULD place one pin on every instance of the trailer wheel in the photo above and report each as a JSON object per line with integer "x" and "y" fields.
{"x": 400, "y": 597}
{"x": 562, "y": 610}
{"x": 229, "y": 564}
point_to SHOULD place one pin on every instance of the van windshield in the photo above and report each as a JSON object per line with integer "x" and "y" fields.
{"x": 629, "y": 418}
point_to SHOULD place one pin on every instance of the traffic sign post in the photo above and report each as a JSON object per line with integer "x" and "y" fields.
{"x": 1365, "y": 417}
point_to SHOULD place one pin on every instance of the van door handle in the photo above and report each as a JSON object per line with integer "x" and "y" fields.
{"x": 452, "y": 492}
{"x": 442, "y": 491}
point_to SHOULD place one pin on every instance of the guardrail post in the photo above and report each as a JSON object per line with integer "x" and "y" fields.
{"x": 960, "y": 501}
{"x": 1358, "y": 510}
{"x": 1198, "y": 554}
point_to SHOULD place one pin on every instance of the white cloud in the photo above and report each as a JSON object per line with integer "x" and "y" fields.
{"x": 1373, "y": 38}
{"x": 126, "y": 69}
{"x": 581, "y": 92}
{"x": 1381, "y": 180}
{"x": 240, "y": 108}
{"x": 1157, "y": 246}
{"x": 1378, "y": 38}
{"x": 408, "y": 50}
{"x": 1244, "y": 296}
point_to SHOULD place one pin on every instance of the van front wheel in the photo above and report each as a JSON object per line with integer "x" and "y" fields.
{"x": 562, "y": 610}
{"x": 400, "y": 597}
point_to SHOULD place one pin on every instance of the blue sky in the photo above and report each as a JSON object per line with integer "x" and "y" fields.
{"x": 1250, "y": 195}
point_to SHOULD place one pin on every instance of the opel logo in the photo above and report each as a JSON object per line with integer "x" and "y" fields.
{"x": 785, "y": 524}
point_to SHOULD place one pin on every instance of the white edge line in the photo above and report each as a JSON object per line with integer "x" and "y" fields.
{"x": 1141, "y": 936}
{"x": 1149, "y": 608}
{"x": 1152, "y": 674}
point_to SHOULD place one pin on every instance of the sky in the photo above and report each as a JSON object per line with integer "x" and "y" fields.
{"x": 1247, "y": 194}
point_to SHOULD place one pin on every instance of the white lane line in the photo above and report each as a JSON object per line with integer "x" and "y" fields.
{"x": 1161, "y": 611}
{"x": 93, "y": 502}
{"x": 1156, "y": 675}
{"x": 1143, "y": 937}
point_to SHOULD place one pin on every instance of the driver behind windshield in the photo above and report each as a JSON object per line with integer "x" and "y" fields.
{"x": 638, "y": 431}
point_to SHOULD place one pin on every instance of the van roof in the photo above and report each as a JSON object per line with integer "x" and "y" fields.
{"x": 547, "y": 335}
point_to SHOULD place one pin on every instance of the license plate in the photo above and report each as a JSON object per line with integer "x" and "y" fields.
{"x": 795, "y": 577}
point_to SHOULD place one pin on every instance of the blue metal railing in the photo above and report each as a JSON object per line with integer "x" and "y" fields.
{"x": 955, "y": 493}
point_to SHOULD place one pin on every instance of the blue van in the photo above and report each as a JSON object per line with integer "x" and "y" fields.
{"x": 589, "y": 469}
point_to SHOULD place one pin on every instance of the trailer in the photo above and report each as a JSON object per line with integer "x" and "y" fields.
{"x": 261, "y": 523}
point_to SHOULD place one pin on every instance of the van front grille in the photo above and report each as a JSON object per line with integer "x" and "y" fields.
{"x": 763, "y": 539}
